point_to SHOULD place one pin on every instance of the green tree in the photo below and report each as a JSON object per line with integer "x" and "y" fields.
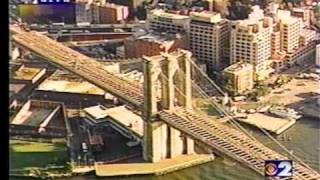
{"x": 69, "y": 166}
{"x": 262, "y": 90}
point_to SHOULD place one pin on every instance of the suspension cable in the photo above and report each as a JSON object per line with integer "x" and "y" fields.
{"x": 232, "y": 119}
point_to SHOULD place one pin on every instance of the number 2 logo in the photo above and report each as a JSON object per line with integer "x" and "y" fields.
{"x": 286, "y": 168}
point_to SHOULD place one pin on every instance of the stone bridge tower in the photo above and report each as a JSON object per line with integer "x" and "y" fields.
{"x": 167, "y": 85}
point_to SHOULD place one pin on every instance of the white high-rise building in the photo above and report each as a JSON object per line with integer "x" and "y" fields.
{"x": 250, "y": 42}
{"x": 318, "y": 55}
{"x": 290, "y": 30}
{"x": 159, "y": 20}
{"x": 209, "y": 39}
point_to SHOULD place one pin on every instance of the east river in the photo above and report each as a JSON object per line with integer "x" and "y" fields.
{"x": 304, "y": 142}
{"x": 303, "y": 139}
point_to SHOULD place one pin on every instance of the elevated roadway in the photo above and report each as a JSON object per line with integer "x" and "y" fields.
{"x": 89, "y": 36}
{"x": 223, "y": 139}
{"x": 90, "y": 28}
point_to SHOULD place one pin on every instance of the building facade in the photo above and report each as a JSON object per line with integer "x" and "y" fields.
{"x": 290, "y": 30}
{"x": 275, "y": 43}
{"x": 304, "y": 13}
{"x": 318, "y": 55}
{"x": 161, "y": 21}
{"x": 112, "y": 13}
{"x": 209, "y": 39}
{"x": 83, "y": 12}
{"x": 100, "y": 12}
{"x": 239, "y": 77}
{"x": 131, "y": 4}
{"x": 251, "y": 43}
{"x": 153, "y": 44}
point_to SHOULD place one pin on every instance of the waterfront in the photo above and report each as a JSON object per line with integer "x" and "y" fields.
{"x": 304, "y": 135}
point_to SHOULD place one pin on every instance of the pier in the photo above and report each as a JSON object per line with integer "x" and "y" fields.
{"x": 147, "y": 168}
{"x": 269, "y": 123}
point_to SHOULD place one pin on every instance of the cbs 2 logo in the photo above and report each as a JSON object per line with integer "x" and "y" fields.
{"x": 285, "y": 169}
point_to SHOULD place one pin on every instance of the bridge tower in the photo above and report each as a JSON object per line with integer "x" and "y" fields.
{"x": 167, "y": 85}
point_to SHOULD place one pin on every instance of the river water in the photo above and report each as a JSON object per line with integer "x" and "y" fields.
{"x": 305, "y": 143}
{"x": 304, "y": 135}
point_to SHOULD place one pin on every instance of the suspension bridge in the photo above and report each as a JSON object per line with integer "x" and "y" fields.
{"x": 163, "y": 112}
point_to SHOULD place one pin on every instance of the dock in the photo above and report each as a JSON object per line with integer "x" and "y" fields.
{"x": 269, "y": 123}
{"x": 148, "y": 168}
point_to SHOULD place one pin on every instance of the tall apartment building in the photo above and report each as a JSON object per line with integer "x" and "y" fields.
{"x": 100, "y": 12}
{"x": 304, "y": 13}
{"x": 132, "y": 4}
{"x": 290, "y": 30}
{"x": 159, "y": 20}
{"x": 318, "y": 55}
{"x": 95, "y": 14}
{"x": 251, "y": 43}
{"x": 209, "y": 39}
{"x": 112, "y": 13}
{"x": 83, "y": 12}
{"x": 239, "y": 77}
{"x": 275, "y": 43}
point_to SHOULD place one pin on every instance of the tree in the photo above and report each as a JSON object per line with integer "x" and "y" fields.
{"x": 262, "y": 90}
{"x": 69, "y": 166}
{"x": 229, "y": 87}
{"x": 282, "y": 80}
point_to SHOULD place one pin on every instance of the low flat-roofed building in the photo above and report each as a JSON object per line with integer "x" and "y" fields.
{"x": 70, "y": 89}
{"x": 39, "y": 118}
{"x": 27, "y": 73}
{"x": 120, "y": 118}
{"x": 239, "y": 77}
{"x": 16, "y": 92}
{"x": 151, "y": 44}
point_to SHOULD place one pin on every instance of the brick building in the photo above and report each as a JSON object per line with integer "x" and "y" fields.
{"x": 152, "y": 44}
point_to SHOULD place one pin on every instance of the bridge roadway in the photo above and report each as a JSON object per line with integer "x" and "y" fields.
{"x": 91, "y": 27}
{"x": 223, "y": 139}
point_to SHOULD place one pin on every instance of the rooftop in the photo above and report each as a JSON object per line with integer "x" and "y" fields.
{"x": 120, "y": 114}
{"x": 35, "y": 114}
{"x": 97, "y": 112}
{"x": 238, "y": 67}
{"x": 212, "y": 17}
{"x": 159, "y": 37}
{"x": 26, "y": 73}
{"x": 163, "y": 14}
{"x": 126, "y": 117}
{"x": 71, "y": 87}
{"x": 301, "y": 9}
{"x": 65, "y": 82}
{"x": 254, "y": 17}
{"x": 285, "y": 17}
{"x": 16, "y": 88}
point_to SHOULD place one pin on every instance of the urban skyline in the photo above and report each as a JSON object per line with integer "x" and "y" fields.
{"x": 112, "y": 88}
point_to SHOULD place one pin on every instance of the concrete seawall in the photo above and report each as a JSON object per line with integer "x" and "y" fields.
{"x": 158, "y": 168}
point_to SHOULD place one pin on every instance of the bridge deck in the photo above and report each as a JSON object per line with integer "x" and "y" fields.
{"x": 81, "y": 65}
{"x": 230, "y": 142}
{"x": 218, "y": 136}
